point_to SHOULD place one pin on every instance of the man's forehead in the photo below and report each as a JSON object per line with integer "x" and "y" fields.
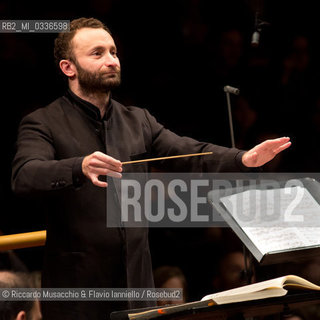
{"x": 86, "y": 38}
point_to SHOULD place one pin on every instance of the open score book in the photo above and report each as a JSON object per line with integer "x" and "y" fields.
{"x": 266, "y": 289}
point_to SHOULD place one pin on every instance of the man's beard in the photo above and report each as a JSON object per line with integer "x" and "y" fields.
{"x": 97, "y": 82}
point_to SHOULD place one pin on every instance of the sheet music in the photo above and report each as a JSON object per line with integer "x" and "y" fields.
{"x": 277, "y": 219}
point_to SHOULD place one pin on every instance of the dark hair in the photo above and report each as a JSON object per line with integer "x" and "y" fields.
{"x": 10, "y": 309}
{"x": 63, "y": 43}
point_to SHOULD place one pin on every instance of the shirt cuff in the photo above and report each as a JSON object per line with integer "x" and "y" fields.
{"x": 78, "y": 177}
{"x": 239, "y": 162}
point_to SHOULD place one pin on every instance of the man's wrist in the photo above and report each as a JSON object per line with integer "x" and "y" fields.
{"x": 240, "y": 161}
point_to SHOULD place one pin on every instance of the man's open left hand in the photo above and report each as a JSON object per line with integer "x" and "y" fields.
{"x": 265, "y": 151}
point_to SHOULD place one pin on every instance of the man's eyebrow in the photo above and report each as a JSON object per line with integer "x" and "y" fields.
{"x": 97, "y": 48}
{"x": 102, "y": 48}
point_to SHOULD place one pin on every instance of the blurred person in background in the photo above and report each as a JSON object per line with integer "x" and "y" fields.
{"x": 233, "y": 271}
{"x": 170, "y": 277}
{"x": 18, "y": 310}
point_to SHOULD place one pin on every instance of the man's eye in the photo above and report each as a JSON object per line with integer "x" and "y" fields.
{"x": 96, "y": 53}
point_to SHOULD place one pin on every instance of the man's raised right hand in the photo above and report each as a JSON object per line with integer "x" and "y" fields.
{"x": 99, "y": 164}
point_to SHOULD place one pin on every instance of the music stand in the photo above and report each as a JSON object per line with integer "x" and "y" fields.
{"x": 264, "y": 257}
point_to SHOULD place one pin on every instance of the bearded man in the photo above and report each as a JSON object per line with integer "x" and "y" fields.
{"x": 64, "y": 148}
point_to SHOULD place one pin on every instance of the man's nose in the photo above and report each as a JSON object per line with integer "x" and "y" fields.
{"x": 111, "y": 60}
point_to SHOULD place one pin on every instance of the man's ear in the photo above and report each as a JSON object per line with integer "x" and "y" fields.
{"x": 21, "y": 315}
{"x": 68, "y": 68}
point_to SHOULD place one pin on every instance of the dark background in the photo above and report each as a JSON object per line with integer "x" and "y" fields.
{"x": 176, "y": 58}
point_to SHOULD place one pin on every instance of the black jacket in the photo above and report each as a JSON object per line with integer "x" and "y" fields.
{"x": 80, "y": 250}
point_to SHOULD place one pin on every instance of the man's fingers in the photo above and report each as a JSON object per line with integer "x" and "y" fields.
{"x": 283, "y": 139}
{"x": 282, "y": 147}
{"x": 105, "y": 172}
{"x": 107, "y": 159}
{"x": 109, "y": 164}
{"x": 99, "y": 171}
{"x": 114, "y": 174}
{"x": 95, "y": 162}
{"x": 98, "y": 182}
{"x": 95, "y": 178}
{"x": 272, "y": 143}
{"x": 275, "y": 145}
{"x": 103, "y": 168}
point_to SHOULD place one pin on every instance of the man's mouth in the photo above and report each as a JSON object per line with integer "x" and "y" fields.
{"x": 110, "y": 73}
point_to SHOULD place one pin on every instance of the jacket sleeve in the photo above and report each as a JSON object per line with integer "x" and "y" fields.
{"x": 35, "y": 168}
{"x": 167, "y": 143}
